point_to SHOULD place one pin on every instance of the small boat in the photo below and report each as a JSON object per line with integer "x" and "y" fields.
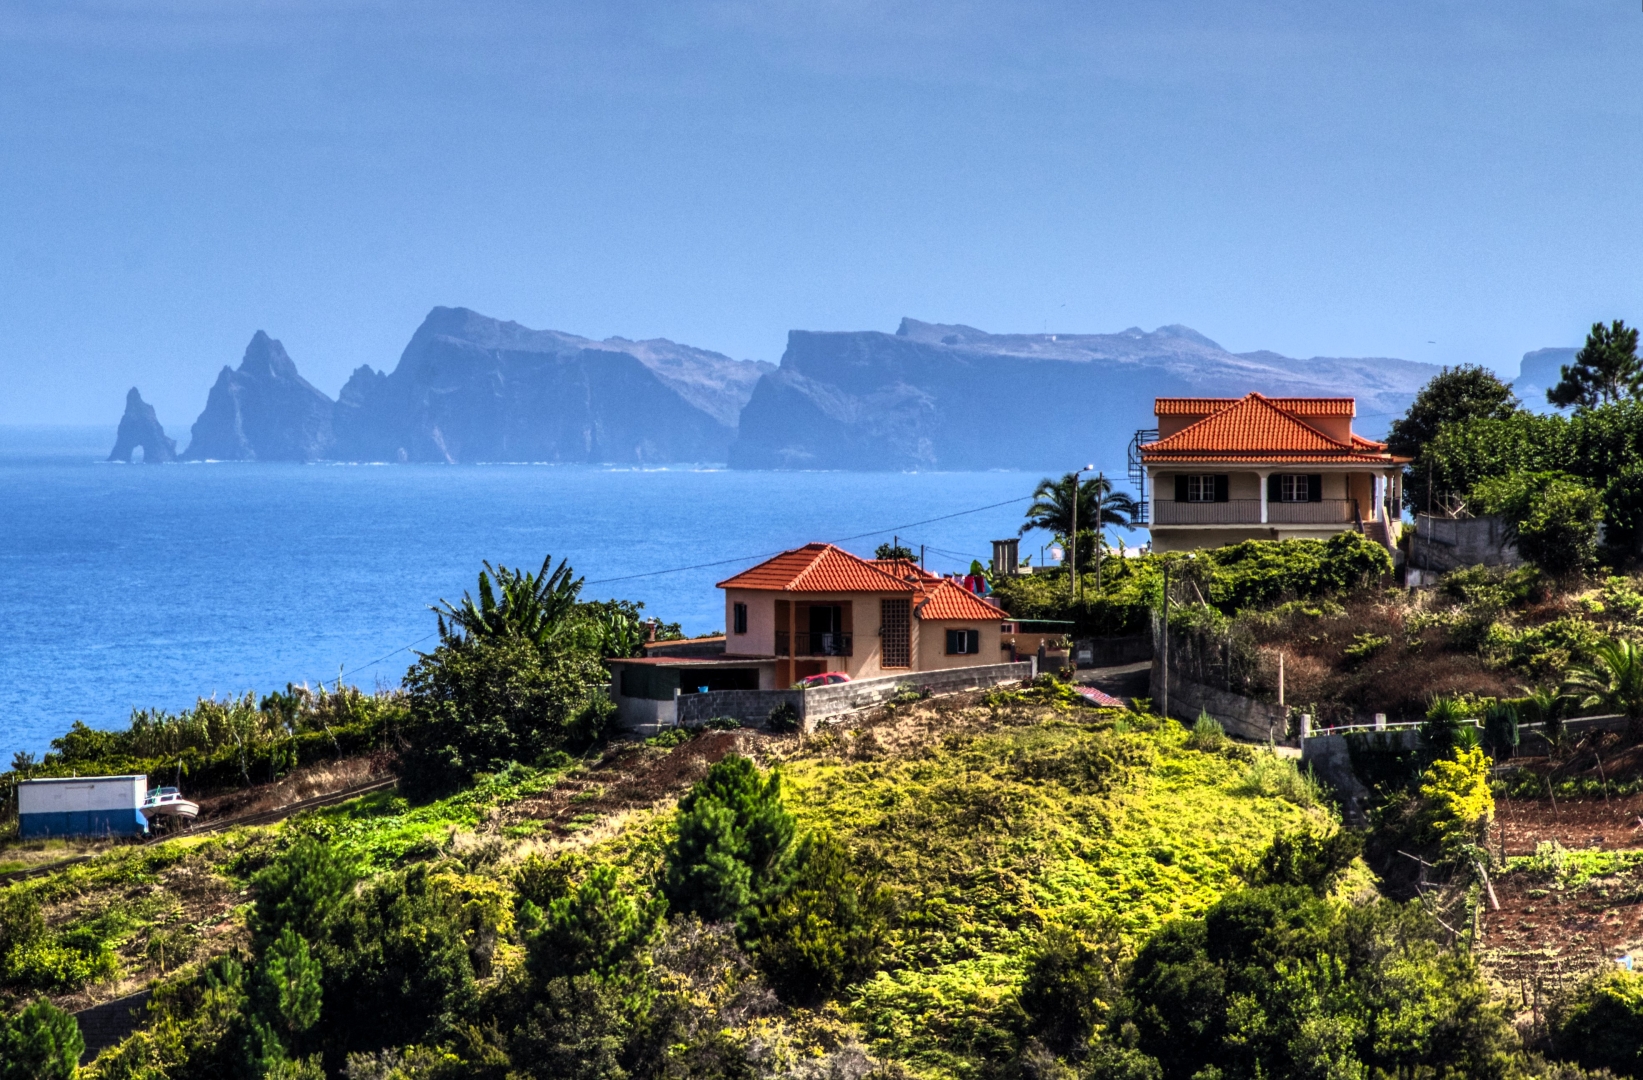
{"x": 168, "y": 802}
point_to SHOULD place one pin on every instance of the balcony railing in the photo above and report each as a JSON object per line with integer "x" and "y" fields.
{"x": 1327, "y": 512}
{"x": 809, "y": 644}
{"x": 1248, "y": 512}
{"x": 1231, "y": 512}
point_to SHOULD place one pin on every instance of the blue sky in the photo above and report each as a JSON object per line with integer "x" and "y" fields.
{"x": 1439, "y": 181}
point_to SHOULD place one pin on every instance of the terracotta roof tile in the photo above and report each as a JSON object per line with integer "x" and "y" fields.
{"x": 905, "y": 569}
{"x": 1296, "y": 406}
{"x": 817, "y": 568}
{"x": 947, "y": 601}
{"x": 1251, "y": 424}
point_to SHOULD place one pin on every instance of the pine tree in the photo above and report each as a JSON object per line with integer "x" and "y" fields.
{"x": 1605, "y": 370}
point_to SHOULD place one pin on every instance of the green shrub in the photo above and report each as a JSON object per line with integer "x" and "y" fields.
{"x": 594, "y": 929}
{"x": 1207, "y": 733}
{"x": 300, "y": 890}
{"x": 1273, "y": 776}
{"x": 1072, "y": 980}
{"x": 667, "y": 740}
{"x": 477, "y": 705}
{"x": 40, "y": 1043}
{"x": 1602, "y": 1027}
{"x": 784, "y": 718}
{"x": 1441, "y": 732}
{"x": 827, "y": 931}
{"x": 397, "y": 956}
{"x": 733, "y": 846}
{"x": 1309, "y": 859}
{"x": 1553, "y": 518}
{"x": 1500, "y": 727}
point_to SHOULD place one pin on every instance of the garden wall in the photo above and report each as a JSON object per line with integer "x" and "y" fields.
{"x": 1242, "y": 717}
{"x": 752, "y": 707}
{"x": 1444, "y": 544}
{"x": 1112, "y": 651}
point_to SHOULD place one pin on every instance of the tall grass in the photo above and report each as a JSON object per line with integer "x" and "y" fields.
{"x": 1274, "y": 777}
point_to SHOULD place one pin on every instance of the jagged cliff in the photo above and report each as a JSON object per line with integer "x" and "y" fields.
{"x": 139, "y": 427}
{"x": 953, "y": 397}
{"x": 473, "y": 388}
{"x": 263, "y": 411}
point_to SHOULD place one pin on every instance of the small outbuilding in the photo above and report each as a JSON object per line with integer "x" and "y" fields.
{"x": 81, "y": 806}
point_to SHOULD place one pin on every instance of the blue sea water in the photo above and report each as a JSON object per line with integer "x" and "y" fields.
{"x": 148, "y": 586}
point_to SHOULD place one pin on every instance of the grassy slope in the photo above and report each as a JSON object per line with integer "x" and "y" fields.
{"x": 991, "y": 833}
{"x": 989, "y": 821}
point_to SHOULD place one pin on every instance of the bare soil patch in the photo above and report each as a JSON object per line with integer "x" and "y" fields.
{"x": 304, "y": 783}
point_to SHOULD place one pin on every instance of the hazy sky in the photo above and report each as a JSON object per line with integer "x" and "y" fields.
{"x": 1337, "y": 179}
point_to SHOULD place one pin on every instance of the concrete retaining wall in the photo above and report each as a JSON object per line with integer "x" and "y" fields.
{"x": 752, "y": 707}
{"x": 1242, "y": 717}
{"x": 1444, "y": 544}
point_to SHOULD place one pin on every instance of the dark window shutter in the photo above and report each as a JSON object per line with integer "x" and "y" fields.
{"x": 1180, "y": 488}
{"x": 974, "y": 642}
{"x": 1220, "y": 487}
{"x": 1274, "y": 488}
{"x": 1315, "y": 488}
{"x": 952, "y": 642}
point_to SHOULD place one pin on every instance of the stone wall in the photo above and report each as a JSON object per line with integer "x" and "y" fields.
{"x": 1330, "y": 759}
{"x": 1440, "y": 545}
{"x": 1242, "y": 717}
{"x": 752, "y": 707}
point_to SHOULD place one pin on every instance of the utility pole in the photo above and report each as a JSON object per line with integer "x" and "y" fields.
{"x": 1100, "y": 511}
{"x": 1163, "y": 648}
{"x": 921, "y": 556}
{"x": 1072, "y": 544}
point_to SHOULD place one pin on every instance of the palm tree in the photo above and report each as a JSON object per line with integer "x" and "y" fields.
{"x": 1613, "y": 681}
{"x": 1098, "y": 507}
{"x": 1544, "y": 706}
{"x": 535, "y": 607}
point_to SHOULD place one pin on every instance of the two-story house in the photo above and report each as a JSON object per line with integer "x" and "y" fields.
{"x": 1222, "y": 470}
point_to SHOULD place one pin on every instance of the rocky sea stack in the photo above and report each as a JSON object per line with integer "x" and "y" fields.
{"x": 140, "y": 429}
{"x": 264, "y": 411}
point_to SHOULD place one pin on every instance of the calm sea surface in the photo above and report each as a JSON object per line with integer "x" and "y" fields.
{"x": 143, "y": 586}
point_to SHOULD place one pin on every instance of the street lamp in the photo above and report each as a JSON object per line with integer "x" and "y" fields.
{"x": 1072, "y": 539}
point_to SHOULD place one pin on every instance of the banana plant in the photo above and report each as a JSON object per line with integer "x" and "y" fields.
{"x": 536, "y": 607}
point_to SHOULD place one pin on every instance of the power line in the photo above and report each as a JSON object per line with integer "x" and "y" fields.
{"x": 721, "y": 562}
{"x": 840, "y": 540}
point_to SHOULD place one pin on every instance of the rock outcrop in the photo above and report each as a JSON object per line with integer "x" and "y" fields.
{"x": 473, "y": 388}
{"x": 263, "y": 411}
{"x": 954, "y": 397}
{"x": 139, "y": 427}
{"x": 1541, "y": 370}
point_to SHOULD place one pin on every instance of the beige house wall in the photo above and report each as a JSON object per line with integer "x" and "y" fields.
{"x": 930, "y": 646}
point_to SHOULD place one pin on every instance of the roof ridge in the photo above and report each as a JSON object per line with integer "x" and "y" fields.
{"x": 1252, "y": 400}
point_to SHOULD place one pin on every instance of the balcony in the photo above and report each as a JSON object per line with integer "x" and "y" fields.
{"x": 1248, "y": 512}
{"x": 1231, "y": 512}
{"x": 809, "y": 644}
{"x": 1327, "y": 512}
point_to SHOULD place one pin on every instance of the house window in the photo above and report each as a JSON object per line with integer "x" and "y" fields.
{"x": 738, "y": 618}
{"x": 1201, "y": 488}
{"x": 1294, "y": 488}
{"x": 963, "y": 642}
{"x": 896, "y": 617}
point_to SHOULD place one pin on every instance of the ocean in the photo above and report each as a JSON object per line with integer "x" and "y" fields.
{"x": 136, "y": 586}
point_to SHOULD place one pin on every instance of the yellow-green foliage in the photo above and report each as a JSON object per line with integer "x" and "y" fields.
{"x": 1455, "y": 797}
{"x": 989, "y": 837}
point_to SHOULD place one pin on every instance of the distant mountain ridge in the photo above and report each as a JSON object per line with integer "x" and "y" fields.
{"x": 470, "y": 388}
{"x": 933, "y": 396}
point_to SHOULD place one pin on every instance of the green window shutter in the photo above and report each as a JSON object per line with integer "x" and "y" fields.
{"x": 974, "y": 641}
{"x": 1220, "y": 487}
{"x": 1315, "y": 487}
{"x": 952, "y": 642}
{"x": 1180, "y": 488}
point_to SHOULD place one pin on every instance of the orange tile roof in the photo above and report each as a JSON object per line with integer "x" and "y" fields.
{"x": 817, "y": 568}
{"x": 1297, "y": 406}
{"x": 947, "y": 601}
{"x": 1257, "y": 428}
{"x": 905, "y": 569}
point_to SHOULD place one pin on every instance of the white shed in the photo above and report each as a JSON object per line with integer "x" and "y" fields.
{"x": 82, "y": 806}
